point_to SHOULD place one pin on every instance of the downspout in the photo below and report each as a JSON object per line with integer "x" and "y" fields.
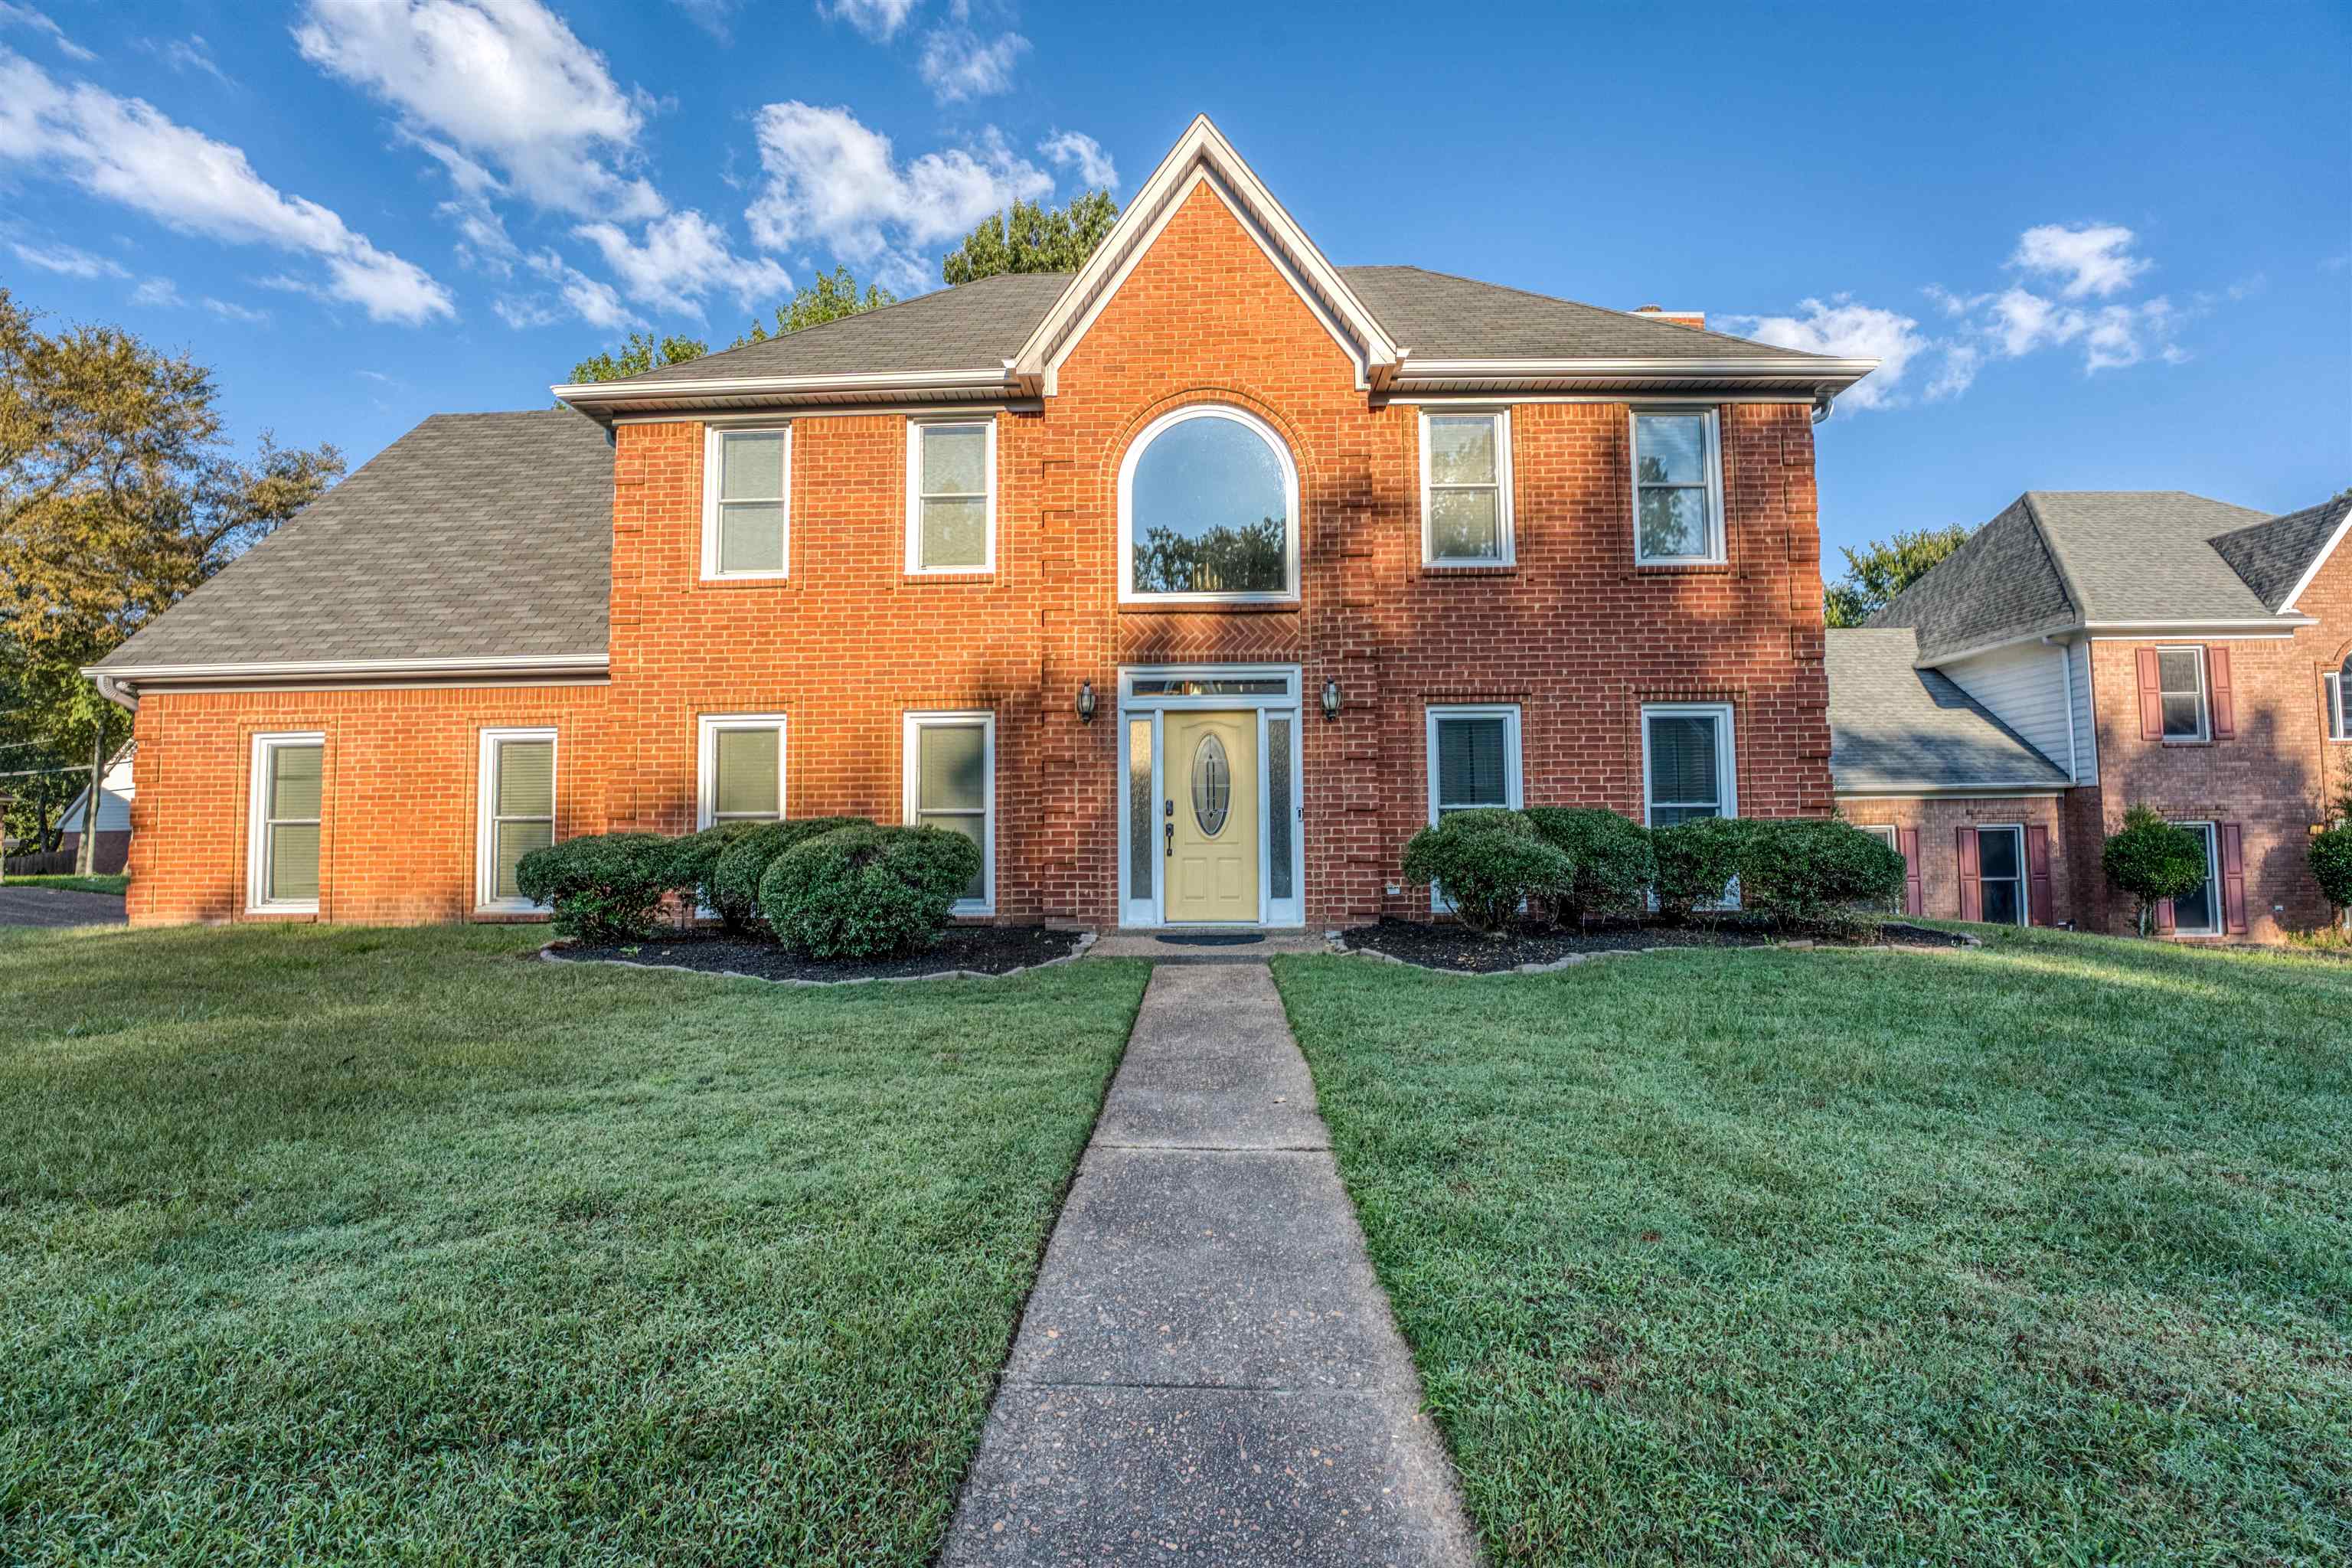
{"x": 114, "y": 691}
{"x": 1822, "y": 401}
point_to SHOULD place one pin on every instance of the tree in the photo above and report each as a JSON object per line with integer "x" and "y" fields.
{"x": 2153, "y": 860}
{"x": 833, "y": 296}
{"x": 2331, "y": 858}
{"x": 1883, "y": 568}
{"x": 118, "y": 496}
{"x": 641, "y": 352}
{"x": 1031, "y": 238}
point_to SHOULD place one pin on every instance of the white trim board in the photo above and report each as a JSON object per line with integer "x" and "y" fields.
{"x": 912, "y": 723}
{"x": 486, "y": 784}
{"x": 257, "y": 848}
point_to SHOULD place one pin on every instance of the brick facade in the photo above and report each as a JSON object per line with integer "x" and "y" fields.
{"x": 1573, "y": 633}
{"x": 1938, "y": 822}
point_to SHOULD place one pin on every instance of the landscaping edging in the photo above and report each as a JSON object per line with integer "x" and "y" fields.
{"x": 1962, "y": 942}
{"x": 552, "y": 952}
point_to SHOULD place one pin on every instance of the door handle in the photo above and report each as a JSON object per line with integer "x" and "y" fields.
{"x": 1168, "y": 818}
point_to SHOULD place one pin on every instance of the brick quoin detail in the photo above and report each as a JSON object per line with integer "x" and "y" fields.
{"x": 1574, "y": 633}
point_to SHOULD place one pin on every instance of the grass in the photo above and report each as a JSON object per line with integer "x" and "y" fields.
{"x": 118, "y": 886}
{"x": 323, "y": 1243}
{"x": 2041, "y": 1253}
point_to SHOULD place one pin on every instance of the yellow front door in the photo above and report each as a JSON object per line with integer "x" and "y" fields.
{"x": 1211, "y": 813}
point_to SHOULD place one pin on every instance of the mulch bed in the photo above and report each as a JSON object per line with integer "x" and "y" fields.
{"x": 983, "y": 949}
{"x": 1451, "y": 947}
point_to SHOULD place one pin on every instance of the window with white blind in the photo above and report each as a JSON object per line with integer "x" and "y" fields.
{"x": 1687, "y": 762}
{"x": 746, "y": 483}
{"x": 950, "y": 783}
{"x": 950, "y": 495}
{"x": 518, "y": 811}
{"x": 1466, "y": 487}
{"x": 1474, "y": 762}
{"x": 287, "y": 794}
{"x": 2180, "y": 677}
{"x": 1677, "y": 487}
{"x": 739, "y": 769}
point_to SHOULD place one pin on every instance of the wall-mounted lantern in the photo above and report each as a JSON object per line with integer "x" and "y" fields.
{"x": 1331, "y": 698}
{"x": 1085, "y": 701}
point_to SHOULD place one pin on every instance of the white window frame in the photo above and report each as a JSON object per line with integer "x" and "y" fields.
{"x": 257, "y": 833}
{"x": 2204, "y": 694}
{"x": 1142, "y": 443}
{"x": 911, "y": 759}
{"x": 708, "y": 728}
{"x": 2339, "y": 706}
{"x": 1280, "y": 701}
{"x": 714, "y": 437}
{"x": 1717, "y": 526}
{"x": 1514, "y": 783}
{"x": 1726, "y": 755}
{"x": 2214, "y": 897}
{"x": 1884, "y": 832}
{"x": 485, "y": 809}
{"x": 1506, "y": 539}
{"x": 2024, "y": 877}
{"x": 915, "y": 428}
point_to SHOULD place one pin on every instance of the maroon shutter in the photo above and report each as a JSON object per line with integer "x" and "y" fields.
{"x": 1971, "y": 878}
{"x": 2233, "y": 880}
{"x": 2225, "y": 710}
{"x": 2164, "y": 924}
{"x": 1915, "y": 902}
{"x": 2151, "y": 697}
{"x": 2037, "y": 876}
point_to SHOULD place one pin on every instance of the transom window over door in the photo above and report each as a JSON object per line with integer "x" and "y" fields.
{"x": 741, "y": 768}
{"x": 1686, "y": 761}
{"x": 288, "y": 788}
{"x": 951, "y": 495}
{"x": 1208, "y": 509}
{"x": 1465, "y": 489}
{"x": 1677, "y": 488}
{"x": 517, "y": 809}
{"x": 746, "y": 523}
{"x": 950, "y": 783}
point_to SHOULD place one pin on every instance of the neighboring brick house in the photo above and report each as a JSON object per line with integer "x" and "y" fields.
{"x": 1191, "y": 585}
{"x": 2153, "y": 647}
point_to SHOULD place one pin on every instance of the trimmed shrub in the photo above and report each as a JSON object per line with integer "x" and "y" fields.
{"x": 694, "y": 859}
{"x": 735, "y": 874}
{"x": 866, "y": 891}
{"x": 1489, "y": 863}
{"x": 1696, "y": 861}
{"x": 602, "y": 887}
{"x": 2153, "y": 860}
{"x": 2331, "y": 862}
{"x": 1807, "y": 869}
{"x": 1614, "y": 865}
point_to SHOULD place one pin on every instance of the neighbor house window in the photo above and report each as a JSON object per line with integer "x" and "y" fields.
{"x": 1474, "y": 762}
{"x": 1687, "y": 762}
{"x": 2339, "y": 703}
{"x": 950, "y": 782}
{"x": 2181, "y": 675}
{"x": 289, "y": 786}
{"x": 2000, "y": 866}
{"x": 1677, "y": 488}
{"x": 2198, "y": 912}
{"x": 740, "y": 768}
{"x": 746, "y": 480}
{"x": 1465, "y": 489}
{"x": 951, "y": 495}
{"x": 1208, "y": 509}
{"x": 518, "y": 810}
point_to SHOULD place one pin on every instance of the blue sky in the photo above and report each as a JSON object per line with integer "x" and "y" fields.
{"x": 2100, "y": 247}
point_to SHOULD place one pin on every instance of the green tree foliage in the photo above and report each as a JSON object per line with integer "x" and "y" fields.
{"x": 2331, "y": 858}
{"x": 2153, "y": 860}
{"x": 641, "y": 352}
{"x": 1883, "y": 568}
{"x": 1031, "y": 238}
{"x": 833, "y": 296}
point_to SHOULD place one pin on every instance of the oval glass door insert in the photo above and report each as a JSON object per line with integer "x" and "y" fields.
{"x": 1213, "y": 785}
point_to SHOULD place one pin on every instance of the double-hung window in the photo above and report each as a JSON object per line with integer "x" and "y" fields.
{"x": 518, "y": 811}
{"x": 2180, "y": 677}
{"x": 951, "y": 495}
{"x": 1687, "y": 763}
{"x": 289, "y": 790}
{"x": 1474, "y": 762}
{"x": 1466, "y": 487}
{"x": 740, "y": 768}
{"x": 1677, "y": 487}
{"x": 2339, "y": 703}
{"x": 747, "y": 478}
{"x": 950, "y": 783}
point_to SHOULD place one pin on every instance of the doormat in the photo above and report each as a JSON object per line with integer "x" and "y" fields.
{"x": 1216, "y": 939}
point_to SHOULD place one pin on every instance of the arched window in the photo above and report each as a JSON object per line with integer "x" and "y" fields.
{"x": 1208, "y": 508}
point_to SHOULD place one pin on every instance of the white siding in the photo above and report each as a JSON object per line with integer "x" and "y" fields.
{"x": 2086, "y": 735}
{"x": 2025, "y": 687}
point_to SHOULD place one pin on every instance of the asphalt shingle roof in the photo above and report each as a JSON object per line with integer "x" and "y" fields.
{"x": 2272, "y": 556}
{"x": 1893, "y": 726}
{"x": 2147, "y": 555}
{"x": 2002, "y": 583}
{"x": 483, "y": 534}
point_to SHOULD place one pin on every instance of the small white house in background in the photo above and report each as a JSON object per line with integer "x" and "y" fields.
{"x": 116, "y": 787}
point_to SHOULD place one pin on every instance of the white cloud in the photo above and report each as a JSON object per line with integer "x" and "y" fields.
{"x": 126, "y": 151}
{"x": 2093, "y": 260}
{"x": 26, "y": 16}
{"x": 1074, "y": 149}
{"x": 186, "y": 55}
{"x": 713, "y": 16}
{"x": 65, "y": 259}
{"x": 158, "y": 293}
{"x": 681, "y": 258}
{"x": 594, "y": 302}
{"x": 503, "y": 82}
{"x": 877, "y": 19}
{"x": 1849, "y": 331}
{"x": 832, "y": 181}
{"x": 229, "y": 312}
{"x": 524, "y": 311}
{"x": 956, "y": 65}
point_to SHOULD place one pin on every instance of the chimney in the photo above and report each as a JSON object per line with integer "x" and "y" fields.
{"x": 1679, "y": 318}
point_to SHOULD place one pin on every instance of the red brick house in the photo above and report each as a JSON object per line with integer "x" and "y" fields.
{"x": 1191, "y": 585}
{"x": 2101, "y": 650}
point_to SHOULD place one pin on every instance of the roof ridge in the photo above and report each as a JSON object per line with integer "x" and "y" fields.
{"x": 1560, "y": 300}
{"x": 2066, "y": 583}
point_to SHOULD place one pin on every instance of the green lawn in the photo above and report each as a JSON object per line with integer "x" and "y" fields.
{"x": 323, "y": 1243}
{"x": 2036, "y": 1254}
{"x": 115, "y": 885}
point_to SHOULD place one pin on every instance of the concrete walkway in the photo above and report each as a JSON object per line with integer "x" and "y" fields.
{"x": 1207, "y": 1371}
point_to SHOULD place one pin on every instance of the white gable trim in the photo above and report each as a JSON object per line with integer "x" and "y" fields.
{"x": 2327, "y": 549}
{"x": 1203, "y": 156}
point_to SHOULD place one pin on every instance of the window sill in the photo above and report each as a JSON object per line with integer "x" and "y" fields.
{"x": 763, "y": 580}
{"x": 1682, "y": 568}
{"x": 281, "y": 915}
{"x": 1211, "y": 607}
{"x": 2187, "y": 745}
{"x": 1471, "y": 569}
{"x": 976, "y": 576}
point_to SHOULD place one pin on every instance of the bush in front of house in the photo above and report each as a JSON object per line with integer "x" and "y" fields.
{"x": 734, "y": 883}
{"x": 2153, "y": 860}
{"x": 1805, "y": 870}
{"x": 694, "y": 861}
{"x": 1613, "y": 864}
{"x": 1696, "y": 861}
{"x": 605, "y": 887}
{"x": 2331, "y": 861}
{"x": 864, "y": 892}
{"x": 1489, "y": 863}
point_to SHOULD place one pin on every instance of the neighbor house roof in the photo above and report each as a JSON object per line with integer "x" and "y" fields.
{"x": 473, "y": 536}
{"x": 2058, "y": 560}
{"x": 1896, "y": 728}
